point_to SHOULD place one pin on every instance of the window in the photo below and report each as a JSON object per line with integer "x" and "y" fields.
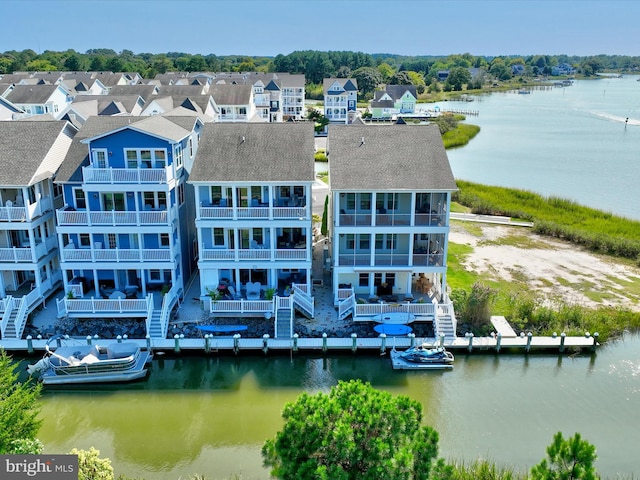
{"x": 164, "y": 239}
{"x": 85, "y": 240}
{"x": 57, "y": 190}
{"x": 351, "y": 243}
{"x": 390, "y": 278}
{"x": 154, "y": 275}
{"x": 145, "y": 158}
{"x": 112, "y": 240}
{"x": 377, "y": 279}
{"x": 79, "y": 199}
{"x": 365, "y": 242}
{"x": 178, "y": 156}
{"x": 180, "y": 194}
{"x": 242, "y": 110}
{"x": 257, "y": 235}
{"x": 363, "y": 280}
{"x": 99, "y": 158}
{"x": 113, "y": 201}
{"x": 154, "y": 200}
{"x": 365, "y": 201}
{"x": 218, "y": 237}
{"x": 190, "y": 147}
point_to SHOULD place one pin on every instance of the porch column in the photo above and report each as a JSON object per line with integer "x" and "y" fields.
{"x": 96, "y": 284}
{"x": 3, "y": 291}
{"x": 143, "y": 284}
{"x": 412, "y": 210}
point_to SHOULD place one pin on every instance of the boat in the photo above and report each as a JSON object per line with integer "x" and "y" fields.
{"x": 422, "y": 357}
{"x": 117, "y": 362}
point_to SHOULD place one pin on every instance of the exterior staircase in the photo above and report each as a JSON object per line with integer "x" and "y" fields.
{"x": 155, "y": 325}
{"x": 444, "y": 324}
{"x": 10, "y": 330}
{"x": 284, "y": 323}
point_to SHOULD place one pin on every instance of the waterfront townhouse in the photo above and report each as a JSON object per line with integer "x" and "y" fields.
{"x": 390, "y": 194}
{"x": 340, "y": 99}
{"x": 127, "y": 224}
{"x": 253, "y": 191}
{"x": 30, "y": 154}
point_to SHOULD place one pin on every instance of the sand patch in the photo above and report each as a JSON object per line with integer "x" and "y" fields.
{"x": 553, "y": 268}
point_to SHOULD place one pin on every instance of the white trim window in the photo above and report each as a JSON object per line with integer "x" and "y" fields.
{"x": 99, "y": 158}
{"x": 178, "y": 155}
{"x": 79, "y": 199}
{"x": 145, "y": 157}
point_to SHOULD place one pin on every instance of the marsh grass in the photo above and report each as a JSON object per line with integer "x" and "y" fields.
{"x": 556, "y": 217}
{"x": 460, "y": 136}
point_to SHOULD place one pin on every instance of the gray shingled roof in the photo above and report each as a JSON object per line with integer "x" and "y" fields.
{"x": 145, "y": 91}
{"x": 23, "y": 147}
{"x": 31, "y": 94}
{"x": 392, "y": 157}
{"x": 168, "y": 90}
{"x": 78, "y": 154}
{"x": 231, "y": 94}
{"x": 270, "y": 152}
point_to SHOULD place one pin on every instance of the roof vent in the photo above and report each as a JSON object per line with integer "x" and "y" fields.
{"x": 243, "y": 139}
{"x": 362, "y": 141}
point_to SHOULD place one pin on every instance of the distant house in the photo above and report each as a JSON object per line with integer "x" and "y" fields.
{"x": 8, "y": 110}
{"x": 30, "y": 155}
{"x": 394, "y": 100}
{"x": 340, "y": 99}
{"x": 39, "y": 99}
{"x": 563, "y": 69}
{"x": 517, "y": 69}
{"x": 235, "y": 103}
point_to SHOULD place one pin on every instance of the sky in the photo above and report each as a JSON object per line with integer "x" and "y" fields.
{"x": 269, "y": 28}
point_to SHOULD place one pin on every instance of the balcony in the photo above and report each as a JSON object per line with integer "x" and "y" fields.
{"x": 16, "y": 213}
{"x": 67, "y": 216}
{"x": 93, "y": 175}
{"x": 239, "y": 255}
{"x": 261, "y": 212}
{"x": 359, "y": 259}
{"x": 115, "y": 255}
{"x": 24, "y": 254}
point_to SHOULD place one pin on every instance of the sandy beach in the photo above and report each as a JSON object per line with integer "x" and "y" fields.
{"x": 551, "y": 267}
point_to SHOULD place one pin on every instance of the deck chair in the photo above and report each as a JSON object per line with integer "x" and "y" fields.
{"x": 253, "y": 290}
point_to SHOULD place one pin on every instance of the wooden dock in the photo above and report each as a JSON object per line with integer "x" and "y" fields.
{"x": 211, "y": 344}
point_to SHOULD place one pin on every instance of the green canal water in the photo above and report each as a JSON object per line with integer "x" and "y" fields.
{"x": 211, "y": 415}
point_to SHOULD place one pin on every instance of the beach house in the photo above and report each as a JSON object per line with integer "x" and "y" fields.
{"x": 391, "y": 190}
{"x": 126, "y": 228}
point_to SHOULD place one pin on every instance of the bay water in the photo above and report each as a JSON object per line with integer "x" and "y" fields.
{"x": 211, "y": 415}
{"x": 580, "y": 142}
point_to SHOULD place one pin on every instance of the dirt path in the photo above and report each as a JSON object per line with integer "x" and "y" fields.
{"x": 553, "y": 268}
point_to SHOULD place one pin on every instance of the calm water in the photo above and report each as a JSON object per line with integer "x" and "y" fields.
{"x": 568, "y": 142}
{"x": 211, "y": 416}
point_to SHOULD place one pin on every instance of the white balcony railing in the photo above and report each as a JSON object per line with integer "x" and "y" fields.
{"x": 91, "y": 307}
{"x": 113, "y": 217}
{"x": 115, "y": 255}
{"x": 209, "y": 212}
{"x": 13, "y": 214}
{"x": 127, "y": 175}
{"x": 221, "y": 254}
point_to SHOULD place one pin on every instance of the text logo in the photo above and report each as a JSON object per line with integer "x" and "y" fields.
{"x": 46, "y": 467}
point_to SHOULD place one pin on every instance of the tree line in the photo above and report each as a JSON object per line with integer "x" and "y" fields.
{"x": 314, "y": 64}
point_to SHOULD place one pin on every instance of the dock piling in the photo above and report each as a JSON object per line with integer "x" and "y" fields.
{"x": 498, "y": 342}
{"x": 595, "y": 341}
{"x": 412, "y": 340}
{"x": 441, "y": 339}
{"x": 324, "y": 342}
{"x": 354, "y": 342}
{"x": 29, "y": 344}
{"x": 562, "y": 337}
{"x": 295, "y": 342}
{"x": 119, "y": 338}
{"x": 207, "y": 346}
{"x": 176, "y": 341}
{"x": 529, "y": 337}
{"x": 236, "y": 343}
{"x": 383, "y": 344}
{"x": 469, "y": 335}
{"x": 265, "y": 343}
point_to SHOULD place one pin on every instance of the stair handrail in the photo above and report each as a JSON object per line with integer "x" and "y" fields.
{"x": 346, "y": 305}
{"x": 9, "y": 305}
{"x": 149, "y": 312}
{"x": 21, "y": 316}
{"x": 302, "y": 298}
{"x": 167, "y": 305}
